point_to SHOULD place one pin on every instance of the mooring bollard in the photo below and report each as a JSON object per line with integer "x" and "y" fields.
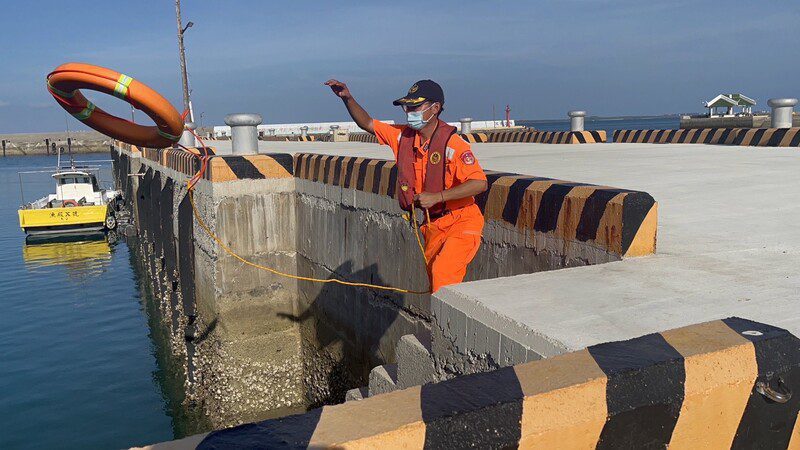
{"x": 304, "y": 131}
{"x": 244, "y": 135}
{"x": 576, "y": 120}
{"x": 466, "y": 125}
{"x": 782, "y": 109}
{"x": 53, "y": 147}
{"x": 187, "y": 138}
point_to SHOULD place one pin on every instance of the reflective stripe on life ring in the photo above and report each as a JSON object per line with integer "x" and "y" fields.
{"x": 65, "y": 84}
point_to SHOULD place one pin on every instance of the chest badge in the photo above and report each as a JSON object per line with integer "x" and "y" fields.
{"x": 404, "y": 187}
{"x": 435, "y": 158}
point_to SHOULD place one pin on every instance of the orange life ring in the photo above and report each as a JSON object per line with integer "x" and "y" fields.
{"x": 68, "y": 203}
{"x": 65, "y": 82}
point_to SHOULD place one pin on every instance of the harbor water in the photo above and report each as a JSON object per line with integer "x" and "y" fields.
{"x": 80, "y": 367}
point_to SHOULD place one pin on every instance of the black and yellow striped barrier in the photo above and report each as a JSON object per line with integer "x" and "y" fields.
{"x": 756, "y": 137}
{"x": 548, "y": 137}
{"x": 223, "y": 168}
{"x": 725, "y": 136}
{"x": 694, "y": 387}
{"x": 620, "y": 221}
{"x": 232, "y": 168}
{"x": 768, "y": 137}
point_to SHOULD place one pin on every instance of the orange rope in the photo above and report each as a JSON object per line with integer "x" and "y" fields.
{"x": 197, "y": 176}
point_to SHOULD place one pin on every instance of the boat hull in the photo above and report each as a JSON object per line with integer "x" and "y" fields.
{"x": 61, "y": 221}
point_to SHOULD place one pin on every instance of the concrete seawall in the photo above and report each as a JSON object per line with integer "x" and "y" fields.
{"x": 256, "y": 345}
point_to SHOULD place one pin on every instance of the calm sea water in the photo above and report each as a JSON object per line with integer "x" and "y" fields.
{"x": 78, "y": 366}
{"x": 609, "y": 125}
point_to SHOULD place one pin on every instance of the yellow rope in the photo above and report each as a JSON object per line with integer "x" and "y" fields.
{"x": 296, "y": 277}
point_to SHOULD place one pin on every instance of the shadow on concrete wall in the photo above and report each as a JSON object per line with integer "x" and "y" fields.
{"x": 343, "y": 329}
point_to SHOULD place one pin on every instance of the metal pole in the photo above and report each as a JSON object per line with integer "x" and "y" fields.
{"x": 4, "y": 148}
{"x": 181, "y": 49}
{"x": 47, "y": 146}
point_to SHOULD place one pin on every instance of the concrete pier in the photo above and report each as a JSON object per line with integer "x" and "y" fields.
{"x": 726, "y": 247}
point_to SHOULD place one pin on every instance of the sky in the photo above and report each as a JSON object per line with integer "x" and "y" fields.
{"x": 542, "y": 58}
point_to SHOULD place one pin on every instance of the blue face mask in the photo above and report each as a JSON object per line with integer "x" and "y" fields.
{"x": 415, "y": 119}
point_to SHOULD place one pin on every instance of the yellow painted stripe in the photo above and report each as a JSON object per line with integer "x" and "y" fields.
{"x": 720, "y": 369}
{"x": 564, "y": 403}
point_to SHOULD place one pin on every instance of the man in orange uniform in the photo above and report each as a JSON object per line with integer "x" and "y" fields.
{"x": 436, "y": 172}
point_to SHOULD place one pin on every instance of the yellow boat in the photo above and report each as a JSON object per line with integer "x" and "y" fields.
{"x": 79, "y": 205}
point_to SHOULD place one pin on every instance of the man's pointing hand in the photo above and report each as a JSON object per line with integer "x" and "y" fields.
{"x": 339, "y": 88}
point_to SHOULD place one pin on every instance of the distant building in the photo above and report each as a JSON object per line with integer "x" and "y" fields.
{"x": 729, "y": 102}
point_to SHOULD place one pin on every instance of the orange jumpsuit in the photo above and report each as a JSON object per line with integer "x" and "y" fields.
{"x": 452, "y": 240}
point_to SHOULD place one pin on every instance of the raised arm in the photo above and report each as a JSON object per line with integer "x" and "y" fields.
{"x": 361, "y": 117}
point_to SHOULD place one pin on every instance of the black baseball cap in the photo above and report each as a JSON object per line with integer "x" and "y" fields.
{"x": 421, "y": 91}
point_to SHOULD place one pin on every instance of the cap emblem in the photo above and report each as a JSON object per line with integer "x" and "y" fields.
{"x": 413, "y": 89}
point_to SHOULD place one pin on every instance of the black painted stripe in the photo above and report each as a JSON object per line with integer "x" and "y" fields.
{"x": 777, "y": 137}
{"x": 309, "y": 161}
{"x": 635, "y": 137}
{"x": 596, "y": 135}
{"x": 491, "y": 177}
{"x": 550, "y": 206}
{"x": 682, "y": 135}
{"x": 362, "y": 174}
{"x": 292, "y": 432}
{"x": 635, "y": 207}
{"x": 376, "y": 177}
{"x": 696, "y": 135}
{"x": 243, "y": 168}
{"x": 764, "y": 423}
{"x": 615, "y": 135}
{"x": 516, "y": 194}
{"x": 757, "y": 136}
{"x": 647, "y": 135}
{"x": 723, "y": 138}
{"x": 348, "y": 172}
{"x": 710, "y": 136}
{"x": 327, "y": 177}
{"x": 390, "y": 189}
{"x": 593, "y": 210}
{"x": 580, "y": 136}
{"x": 671, "y": 136}
{"x": 337, "y": 171}
{"x": 644, "y": 391}
{"x": 659, "y": 135}
{"x": 740, "y": 134}
{"x": 482, "y": 410}
{"x": 796, "y": 139}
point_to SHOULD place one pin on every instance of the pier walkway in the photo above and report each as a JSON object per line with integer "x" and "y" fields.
{"x": 728, "y": 242}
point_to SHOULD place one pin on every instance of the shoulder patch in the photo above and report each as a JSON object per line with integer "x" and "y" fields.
{"x": 468, "y": 158}
{"x": 451, "y": 152}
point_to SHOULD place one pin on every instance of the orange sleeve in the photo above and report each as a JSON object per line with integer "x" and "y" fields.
{"x": 388, "y": 134}
{"x": 465, "y": 164}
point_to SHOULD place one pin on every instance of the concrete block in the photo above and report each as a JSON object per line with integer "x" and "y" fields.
{"x": 458, "y": 329}
{"x": 383, "y": 379}
{"x": 414, "y": 362}
{"x": 356, "y": 394}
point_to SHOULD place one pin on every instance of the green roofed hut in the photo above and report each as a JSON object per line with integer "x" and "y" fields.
{"x": 729, "y": 102}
